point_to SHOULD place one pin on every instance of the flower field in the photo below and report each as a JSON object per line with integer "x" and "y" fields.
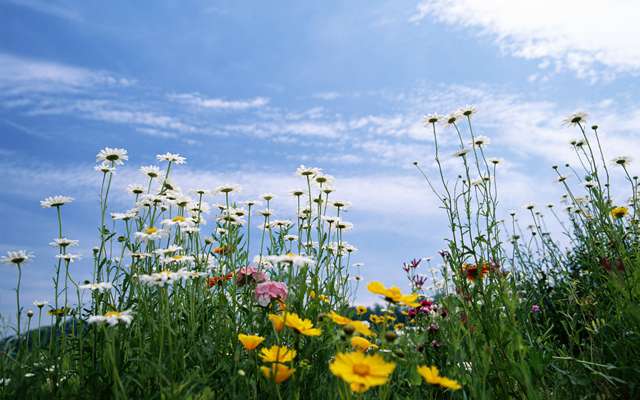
{"x": 187, "y": 302}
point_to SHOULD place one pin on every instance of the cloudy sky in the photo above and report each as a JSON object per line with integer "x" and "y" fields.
{"x": 247, "y": 91}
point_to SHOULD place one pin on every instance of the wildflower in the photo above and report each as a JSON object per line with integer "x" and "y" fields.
{"x": 360, "y": 310}
{"x": 277, "y": 321}
{"x": 451, "y": 118}
{"x": 619, "y": 212}
{"x": 494, "y": 160}
{"x": 151, "y": 233}
{"x": 135, "y": 189}
{"x": 224, "y": 189}
{"x": 249, "y": 274}
{"x": 18, "y": 257}
{"x": 432, "y": 376}
{"x": 338, "y": 319}
{"x": 68, "y": 257}
{"x": 55, "y": 201}
{"x": 59, "y": 312}
{"x": 105, "y": 168}
{"x": 362, "y": 344}
{"x": 277, "y": 354}
{"x": 480, "y": 141}
{"x": 467, "y": 111}
{"x": 277, "y": 372}
{"x": 267, "y": 291}
{"x": 393, "y": 294}
{"x": 529, "y": 206}
{"x": 112, "y": 318}
{"x": 172, "y": 158}
{"x": 151, "y": 171}
{"x": 250, "y": 342}
{"x": 98, "y": 286}
{"x": 300, "y": 325}
{"x": 63, "y": 242}
{"x": 431, "y": 119}
{"x": 622, "y": 161}
{"x": 473, "y": 272}
{"x": 535, "y": 309}
{"x": 575, "y": 118}
{"x": 307, "y": 171}
{"x": 40, "y": 303}
{"x": 113, "y": 155}
{"x": 297, "y": 192}
{"x": 461, "y": 152}
{"x": 361, "y": 371}
{"x": 219, "y": 280}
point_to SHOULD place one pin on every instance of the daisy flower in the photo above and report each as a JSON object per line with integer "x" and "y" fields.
{"x": 68, "y": 257}
{"x": 18, "y": 257}
{"x": 64, "y": 242}
{"x": 461, "y": 153}
{"x": 172, "y": 158}
{"x": 113, "y": 155}
{"x": 361, "y": 371}
{"x": 431, "y": 119}
{"x": 575, "y": 118}
{"x": 151, "y": 171}
{"x": 97, "y": 286}
{"x": 112, "y": 318}
{"x": 105, "y": 168}
{"x": 307, "y": 171}
{"x": 55, "y": 201}
{"x": 227, "y": 188}
{"x": 621, "y": 160}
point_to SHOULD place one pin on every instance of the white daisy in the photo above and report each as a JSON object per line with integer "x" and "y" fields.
{"x": 307, "y": 171}
{"x": 105, "y": 168}
{"x": 68, "y": 257}
{"x": 113, "y": 155}
{"x": 172, "y": 158}
{"x": 297, "y": 192}
{"x": 135, "y": 189}
{"x": 64, "y": 242}
{"x": 431, "y": 119}
{"x": 112, "y": 318}
{"x": 125, "y": 216}
{"x": 55, "y": 201}
{"x": 18, "y": 257}
{"x": 40, "y": 303}
{"x": 467, "y": 110}
{"x": 622, "y": 161}
{"x": 575, "y": 118}
{"x": 341, "y": 204}
{"x": 97, "y": 286}
{"x": 461, "y": 153}
{"x": 151, "y": 171}
{"x": 151, "y": 233}
{"x": 480, "y": 141}
{"x": 228, "y": 188}
{"x": 268, "y": 196}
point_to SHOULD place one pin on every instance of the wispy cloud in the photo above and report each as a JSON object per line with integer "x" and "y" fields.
{"x": 19, "y": 75}
{"x": 197, "y": 100}
{"x": 592, "y": 38}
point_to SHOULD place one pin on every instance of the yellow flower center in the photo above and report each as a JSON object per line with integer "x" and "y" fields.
{"x": 112, "y": 314}
{"x": 361, "y": 369}
{"x": 179, "y": 218}
{"x": 177, "y": 257}
{"x": 151, "y": 230}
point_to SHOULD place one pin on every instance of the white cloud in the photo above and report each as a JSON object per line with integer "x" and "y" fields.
{"x": 19, "y": 75}
{"x": 200, "y": 101}
{"x": 579, "y": 35}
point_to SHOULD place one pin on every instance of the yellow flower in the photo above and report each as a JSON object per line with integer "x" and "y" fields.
{"x": 362, "y": 344}
{"x": 338, "y": 319}
{"x": 393, "y": 294}
{"x": 362, "y": 328}
{"x": 360, "y": 310}
{"x": 432, "y": 376}
{"x": 399, "y": 326}
{"x": 390, "y": 317}
{"x": 361, "y": 371}
{"x": 250, "y": 342}
{"x": 277, "y": 321}
{"x": 277, "y": 372}
{"x": 619, "y": 212}
{"x": 280, "y": 354}
{"x": 178, "y": 218}
{"x": 376, "y": 319}
{"x": 301, "y": 326}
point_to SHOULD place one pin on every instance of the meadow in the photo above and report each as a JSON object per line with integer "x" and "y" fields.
{"x": 181, "y": 305}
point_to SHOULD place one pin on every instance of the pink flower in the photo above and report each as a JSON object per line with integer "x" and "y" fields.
{"x": 249, "y": 274}
{"x": 268, "y": 291}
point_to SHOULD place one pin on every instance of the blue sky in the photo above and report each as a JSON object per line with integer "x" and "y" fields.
{"x": 247, "y": 91}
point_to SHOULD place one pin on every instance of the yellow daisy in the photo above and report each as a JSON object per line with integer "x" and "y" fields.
{"x": 277, "y": 354}
{"x": 277, "y": 372}
{"x": 362, "y": 344}
{"x": 432, "y": 376}
{"x": 250, "y": 342}
{"x": 393, "y": 294}
{"x": 361, "y": 371}
{"x": 301, "y": 326}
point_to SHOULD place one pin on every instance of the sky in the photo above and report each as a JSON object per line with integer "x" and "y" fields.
{"x": 247, "y": 91}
